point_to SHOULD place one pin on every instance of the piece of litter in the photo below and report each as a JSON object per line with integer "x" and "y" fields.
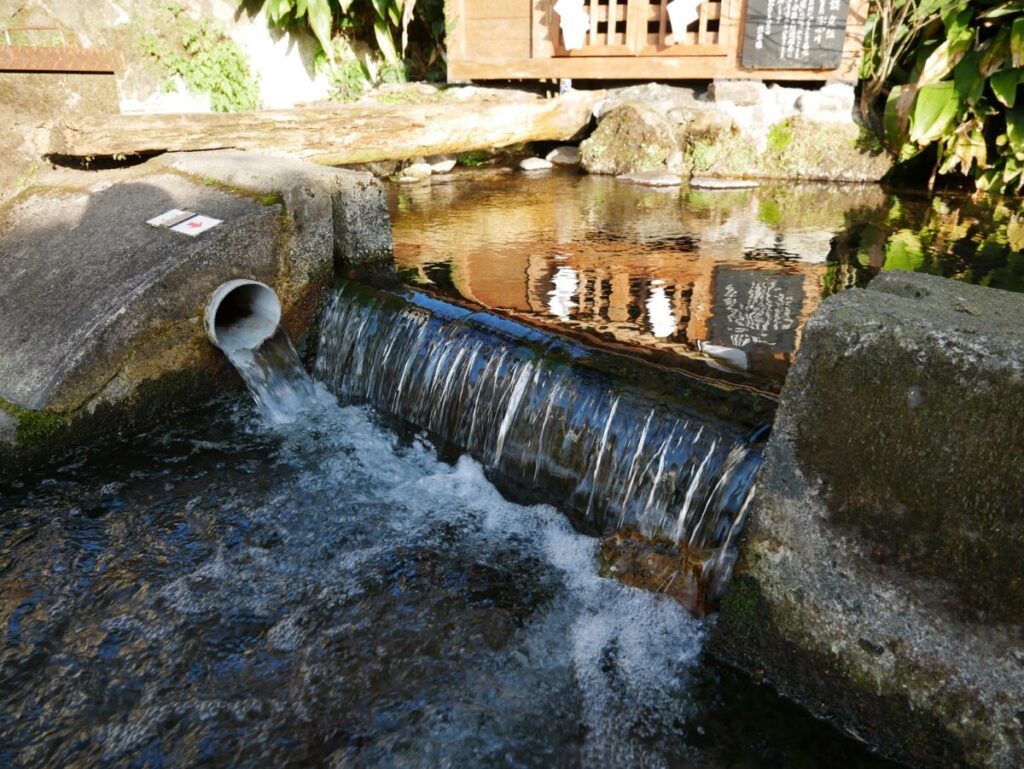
{"x": 170, "y": 218}
{"x": 196, "y": 225}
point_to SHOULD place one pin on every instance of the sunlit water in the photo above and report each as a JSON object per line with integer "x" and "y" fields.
{"x": 224, "y": 591}
{"x": 666, "y": 272}
{"x": 616, "y": 455}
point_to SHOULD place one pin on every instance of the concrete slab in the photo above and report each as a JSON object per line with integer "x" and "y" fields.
{"x": 82, "y": 275}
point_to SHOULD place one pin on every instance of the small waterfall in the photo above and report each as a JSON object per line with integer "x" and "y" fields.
{"x": 275, "y": 377}
{"x": 612, "y": 453}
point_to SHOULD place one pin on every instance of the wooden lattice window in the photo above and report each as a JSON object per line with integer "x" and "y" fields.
{"x": 642, "y": 28}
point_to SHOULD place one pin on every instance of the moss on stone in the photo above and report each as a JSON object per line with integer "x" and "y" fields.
{"x": 631, "y": 138}
{"x": 33, "y": 426}
{"x": 778, "y": 641}
{"x": 795, "y": 149}
{"x": 780, "y": 137}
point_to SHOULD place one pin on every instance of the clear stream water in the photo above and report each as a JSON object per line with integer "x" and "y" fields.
{"x": 291, "y": 579}
{"x": 662, "y": 272}
{"x": 227, "y": 591}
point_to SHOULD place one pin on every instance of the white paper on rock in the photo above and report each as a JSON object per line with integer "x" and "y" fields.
{"x": 574, "y": 22}
{"x": 681, "y": 14}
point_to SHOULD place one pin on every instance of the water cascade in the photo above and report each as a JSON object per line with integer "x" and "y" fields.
{"x": 534, "y": 409}
{"x": 243, "y": 319}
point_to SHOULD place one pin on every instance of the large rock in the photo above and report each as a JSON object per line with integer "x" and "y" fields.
{"x": 881, "y": 581}
{"x": 100, "y": 310}
{"x": 741, "y": 130}
{"x": 631, "y": 138}
{"x": 340, "y": 134}
{"x": 795, "y": 148}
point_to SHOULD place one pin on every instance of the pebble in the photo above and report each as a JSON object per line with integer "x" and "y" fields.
{"x": 535, "y": 164}
{"x": 442, "y": 166}
{"x": 652, "y": 178}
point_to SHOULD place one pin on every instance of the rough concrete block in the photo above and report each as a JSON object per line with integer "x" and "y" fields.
{"x": 83, "y": 276}
{"x": 97, "y": 306}
{"x": 881, "y": 580}
{"x": 359, "y": 222}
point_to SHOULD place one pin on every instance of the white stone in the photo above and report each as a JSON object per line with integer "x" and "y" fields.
{"x": 747, "y": 93}
{"x": 652, "y": 178}
{"x": 535, "y": 164}
{"x": 564, "y": 156}
{"x": 442, "y": 166}
{"x": 831, "y": 104}
{"x": 418, "y": 171}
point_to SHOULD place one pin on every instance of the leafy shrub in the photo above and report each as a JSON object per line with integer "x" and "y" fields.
{"x": 389, "y": 20}
{"x": 208, "y": 61}
{"x": 952, "y": 74}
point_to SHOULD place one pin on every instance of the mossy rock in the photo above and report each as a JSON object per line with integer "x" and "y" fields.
{"x": 794, "y": 149}
{"x": 631, "y": 138}
{"x": 880, "y": 578}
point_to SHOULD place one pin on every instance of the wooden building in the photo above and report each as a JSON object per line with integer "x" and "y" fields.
{"x": 634, "y": 40}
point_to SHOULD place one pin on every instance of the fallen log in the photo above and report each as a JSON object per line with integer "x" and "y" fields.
{"x": 336, "y": 135}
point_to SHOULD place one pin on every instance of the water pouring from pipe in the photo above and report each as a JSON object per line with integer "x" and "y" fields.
{"x": 243, "y": 319}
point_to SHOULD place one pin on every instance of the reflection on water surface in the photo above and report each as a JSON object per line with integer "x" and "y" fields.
{"x": 678, "y": 274}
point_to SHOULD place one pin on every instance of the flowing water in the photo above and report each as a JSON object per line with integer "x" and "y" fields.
{"x": 615, "y": 455}
{"x": 272, "y": 371}
{"x": 227, "y": 591}
{"x": 324, "y": 578}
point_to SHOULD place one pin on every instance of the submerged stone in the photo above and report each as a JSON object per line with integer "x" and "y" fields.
{"x": 710, "y": 183}
{"x": 658, "y": 566}
{"x": 652, "y": 178}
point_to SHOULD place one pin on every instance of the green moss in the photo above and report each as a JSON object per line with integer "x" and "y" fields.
{"x": 741, "y": 606}
{"x": 473, "y": 158}
{"x": 780, "y": 137}
{"x": 770, "y": 213}
{"x": 34, "y": 426}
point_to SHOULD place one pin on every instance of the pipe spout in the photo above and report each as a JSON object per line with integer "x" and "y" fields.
{"x": 242, "y": 314}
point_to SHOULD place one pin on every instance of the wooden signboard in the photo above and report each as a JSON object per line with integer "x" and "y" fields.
{"x": 794, "y": 34}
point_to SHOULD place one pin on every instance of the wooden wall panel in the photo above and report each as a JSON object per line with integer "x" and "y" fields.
{"x": 518, "y": 39}
{"x": 489, "y": 30}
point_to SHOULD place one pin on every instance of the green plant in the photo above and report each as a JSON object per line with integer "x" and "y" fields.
{"x": 207, "y": 60}
{"x": 953, "y": 79}
{"x": 780, "y": 137}
{"x": 349, "y": 79}
{"x": 389, "y": 20}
